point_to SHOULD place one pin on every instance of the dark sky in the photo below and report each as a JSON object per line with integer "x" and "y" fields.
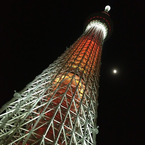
{"x": 35, "y": 33}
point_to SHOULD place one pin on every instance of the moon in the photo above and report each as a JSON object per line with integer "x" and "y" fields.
{"x": 115, "y": 71}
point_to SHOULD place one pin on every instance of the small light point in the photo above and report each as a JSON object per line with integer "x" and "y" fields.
{"x": 107, "y": 8}
{"x": 114, "y": 71}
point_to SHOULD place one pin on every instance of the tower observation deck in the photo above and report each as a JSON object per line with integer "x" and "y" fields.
{"x": 59, "y": 107}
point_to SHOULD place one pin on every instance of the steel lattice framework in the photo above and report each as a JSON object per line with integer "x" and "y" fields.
{"x": 59, "y": 106}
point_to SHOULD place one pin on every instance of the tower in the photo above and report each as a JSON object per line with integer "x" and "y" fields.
{"x": 59, "y": 106}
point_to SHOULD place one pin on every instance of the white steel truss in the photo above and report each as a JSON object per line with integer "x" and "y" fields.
{"x": 59, "y": 106}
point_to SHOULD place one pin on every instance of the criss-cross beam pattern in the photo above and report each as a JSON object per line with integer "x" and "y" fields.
{"x": 59, "y": 107}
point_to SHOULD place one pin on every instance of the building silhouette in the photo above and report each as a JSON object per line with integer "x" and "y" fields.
{"x": 59, "y": 106}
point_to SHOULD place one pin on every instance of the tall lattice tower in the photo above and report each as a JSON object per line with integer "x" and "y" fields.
{"x": 59, "y": 107}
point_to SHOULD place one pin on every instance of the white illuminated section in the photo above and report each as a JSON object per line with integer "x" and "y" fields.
{"x": 99, "y": 26}
{"x": 107, "y": 8}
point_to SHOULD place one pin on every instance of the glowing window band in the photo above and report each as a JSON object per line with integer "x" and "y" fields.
{"x": 99, "y": 26}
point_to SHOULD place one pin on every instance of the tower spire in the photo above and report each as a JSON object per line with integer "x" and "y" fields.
{"x": 107, "y": 8}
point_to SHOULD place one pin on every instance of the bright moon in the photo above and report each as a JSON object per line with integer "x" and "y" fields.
{"x": 114, "y": 71}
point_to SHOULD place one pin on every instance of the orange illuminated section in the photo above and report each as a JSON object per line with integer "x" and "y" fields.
{"x": 85, "y": 56}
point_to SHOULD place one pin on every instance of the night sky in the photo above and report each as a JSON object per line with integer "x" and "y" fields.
{"x": 35, "y": 33}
